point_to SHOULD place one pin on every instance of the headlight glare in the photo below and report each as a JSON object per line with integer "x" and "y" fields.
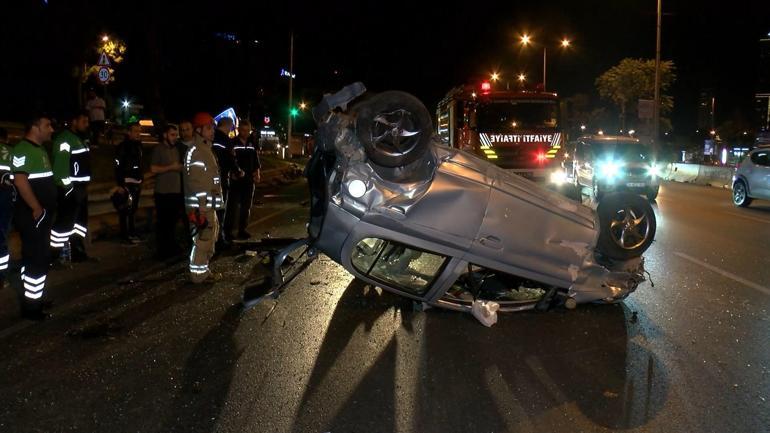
{"x": 610, "y": 169}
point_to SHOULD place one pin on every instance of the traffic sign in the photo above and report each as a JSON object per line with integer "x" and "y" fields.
{"x": 104, "y": 74}
{"x": 104, "y": 60}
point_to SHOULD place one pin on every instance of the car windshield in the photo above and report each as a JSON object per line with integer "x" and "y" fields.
{"x": 504, "y": 116}
{"x": 628, "y": 150}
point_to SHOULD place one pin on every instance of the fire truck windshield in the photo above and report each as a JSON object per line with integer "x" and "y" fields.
{"x": 516, "y": 115}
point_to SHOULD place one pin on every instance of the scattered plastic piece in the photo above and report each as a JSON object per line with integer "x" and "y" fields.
{"x": 485, "y": 312}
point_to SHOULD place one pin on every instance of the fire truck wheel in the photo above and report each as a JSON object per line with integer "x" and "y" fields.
{"x": 394, "y": 128}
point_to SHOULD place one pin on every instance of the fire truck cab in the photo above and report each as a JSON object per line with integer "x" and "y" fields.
{"x": 516, "y": 130}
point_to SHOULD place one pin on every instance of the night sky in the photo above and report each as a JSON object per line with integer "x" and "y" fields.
{"x": 181, "y": 57}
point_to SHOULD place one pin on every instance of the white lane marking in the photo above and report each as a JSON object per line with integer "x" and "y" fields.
{"x": 762, "y": 220}
{"x": 724, "y": 273}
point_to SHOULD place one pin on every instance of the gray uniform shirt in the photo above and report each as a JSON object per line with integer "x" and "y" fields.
{"x": 169, "y": 182}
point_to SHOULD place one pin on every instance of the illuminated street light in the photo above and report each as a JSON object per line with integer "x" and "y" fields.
{"x": 495, "y": 76}
{"x": 712, "y": 132}
{"x": 125, "y": 104}
{"x": 302, "y": 105}
{"x": 527, "y": 40}
{"x": 105, "y": 38}
{"x": 582, "y": 127}
{"x": 521, "y": 78}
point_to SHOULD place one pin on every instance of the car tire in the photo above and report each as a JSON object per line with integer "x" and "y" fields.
{"x": 394, "y": 127}
{"x": 626, "y": 226}
{"x": 652, "y": 194}
{"x": 741, "y": 194}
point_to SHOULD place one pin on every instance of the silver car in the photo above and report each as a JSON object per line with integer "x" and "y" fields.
{"x": 752, "y": 177}
{"x": 440, "y": 226}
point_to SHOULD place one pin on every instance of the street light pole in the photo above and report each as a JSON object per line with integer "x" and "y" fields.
{"x": 656, "y": 108}
{"x": 291, "y": 85}
{"x": 544, "y": 68}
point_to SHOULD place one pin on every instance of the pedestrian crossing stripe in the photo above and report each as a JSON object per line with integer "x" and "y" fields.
{"x": 18, "y": 161}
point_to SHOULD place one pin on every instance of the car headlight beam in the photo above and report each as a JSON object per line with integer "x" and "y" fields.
{"x": 610, "y": 169}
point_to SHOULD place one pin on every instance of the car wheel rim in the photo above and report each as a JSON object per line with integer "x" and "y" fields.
{"x": 395, "y": 133}
{"x": 739, "y": 193}
{"x": 630, "y": 228}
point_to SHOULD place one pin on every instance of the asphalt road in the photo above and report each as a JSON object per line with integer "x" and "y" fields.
{"x": 138, "y": 349}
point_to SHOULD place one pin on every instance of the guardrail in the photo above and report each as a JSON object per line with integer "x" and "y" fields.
{"x": 717, "y": 176}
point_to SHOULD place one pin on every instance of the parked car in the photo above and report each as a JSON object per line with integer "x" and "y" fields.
{"x": 401, "y": 211}
{"x": 606, "y": 163}
{"x": 752, "y": 177}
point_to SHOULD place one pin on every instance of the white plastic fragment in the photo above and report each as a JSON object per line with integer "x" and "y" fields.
{"x": 485, "y": 312}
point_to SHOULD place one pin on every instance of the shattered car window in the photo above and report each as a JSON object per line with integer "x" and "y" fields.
{"x": 406, "y": 268}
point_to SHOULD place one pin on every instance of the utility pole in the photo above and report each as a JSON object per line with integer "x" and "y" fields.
{"x": 656, "y": 109}
{"x": 544, "y": 57}
{"x": 291, "y": 85}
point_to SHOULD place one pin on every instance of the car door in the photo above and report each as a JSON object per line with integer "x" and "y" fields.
{"x": 584, "y": 165}
{"x": 759, "y": 176}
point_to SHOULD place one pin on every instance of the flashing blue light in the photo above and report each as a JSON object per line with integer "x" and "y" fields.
{"x": 230, "y": 113}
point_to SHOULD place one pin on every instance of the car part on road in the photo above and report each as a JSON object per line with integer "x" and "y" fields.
{"x": 444, "y": 228}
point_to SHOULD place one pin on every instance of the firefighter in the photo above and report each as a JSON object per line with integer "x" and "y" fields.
{"x": 72, "y": 174}
{"x": 203, "y": 190}
{"x": 33, "y": 179}
{"x": 7, "y": 195}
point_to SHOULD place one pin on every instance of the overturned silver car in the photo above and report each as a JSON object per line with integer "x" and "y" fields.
{"x": 403, "y": 212}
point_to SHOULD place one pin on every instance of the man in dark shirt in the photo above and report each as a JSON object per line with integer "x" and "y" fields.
{"x": 228, "y": 169}
{"x": 129, "y": 177}
{"x": 242, "y": 186}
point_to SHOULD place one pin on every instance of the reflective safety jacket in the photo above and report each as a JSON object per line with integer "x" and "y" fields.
{"x": 5, "y": 164}
{"x": 202, "y": 183}
{"x": 32, "y": 159}
{"x": 71, "y": 159}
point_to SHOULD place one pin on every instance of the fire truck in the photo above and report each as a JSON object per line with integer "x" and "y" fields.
{"x": 516, "y": 130}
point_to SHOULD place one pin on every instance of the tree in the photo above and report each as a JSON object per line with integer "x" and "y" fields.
{"x": 115, "y": 49}
{"x": 633, "y": 79}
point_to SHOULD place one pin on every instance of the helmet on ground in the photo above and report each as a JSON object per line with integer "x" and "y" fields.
{"x": 202, "y": 119}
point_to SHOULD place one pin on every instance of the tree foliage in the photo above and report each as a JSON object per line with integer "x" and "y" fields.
{"x": 633, "y": 79}
{"x": 115, "y": 50}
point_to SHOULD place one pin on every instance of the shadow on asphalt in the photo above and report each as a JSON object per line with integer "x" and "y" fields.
{"x": 206, "y": 379}
{"x": 523, "y": 371}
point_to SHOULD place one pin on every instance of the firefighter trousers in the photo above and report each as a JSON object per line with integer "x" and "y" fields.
{"x": 203, "y": 247}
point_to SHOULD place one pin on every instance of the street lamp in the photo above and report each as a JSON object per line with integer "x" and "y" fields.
{"x": 526, "y": 40}
{"x": 302, "y": 106}
{"x": 521, "y": 78}
{"x": 105, "y": 38}
{"x": 495, "y": 76}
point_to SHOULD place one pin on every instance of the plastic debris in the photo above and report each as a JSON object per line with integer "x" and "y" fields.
{"x": 485, "y": 312}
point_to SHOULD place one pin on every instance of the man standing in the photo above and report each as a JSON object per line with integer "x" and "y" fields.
{"x": 129, "y": 177}
{"x": 186, "y": 133}
{"x": 202, "y": 185}
{"x": 96, "y": 108}
{"x": 7, "y": 196}
{"x": 228, "y": 170}
{"x": 242, "y": 187}
{"x": 72, "y": 174}
{"x": 166, "y": 163}
{"x": 34, "y": 182}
